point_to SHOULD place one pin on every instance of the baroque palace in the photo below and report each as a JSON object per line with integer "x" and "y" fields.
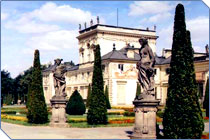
{"x": 120, "y": 52}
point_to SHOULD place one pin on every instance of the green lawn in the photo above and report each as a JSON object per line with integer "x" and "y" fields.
{"x": 73, "y": 124}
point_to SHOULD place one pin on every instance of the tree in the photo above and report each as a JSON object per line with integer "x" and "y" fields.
{"x": 206, "y": 100}
{"x": 88, "y": 96}
{"x": 108, "y": 106}
{"x": 7, "y": 87}
{"x": 138, "y": 90}
{"x": 97, "y": 112}
{"x": 182, "y": 118}
{"x": 75, "y": 105}
{"x": 37, "y": 108}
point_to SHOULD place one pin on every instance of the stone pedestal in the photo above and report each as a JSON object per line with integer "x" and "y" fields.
{"x": 58, "y": 118}
{"x": 145, "y": 119}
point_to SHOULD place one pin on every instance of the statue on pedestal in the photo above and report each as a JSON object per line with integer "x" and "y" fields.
{"x": 145, "y": 105}
{"x": 146, "y": 69}
{"x": 59, "y": 101}
{"x": 59, "y": 78}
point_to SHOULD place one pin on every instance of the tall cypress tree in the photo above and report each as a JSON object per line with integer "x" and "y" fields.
{"x": 182, "y": 118}
{"x": 37, "y": 108}
{"x": 97, "y": 112}
{"x": 206, "y": 99}
{"x": 88, "y": 96}
{"x": 107, "y": 98}
{"x": 138, "y": 90}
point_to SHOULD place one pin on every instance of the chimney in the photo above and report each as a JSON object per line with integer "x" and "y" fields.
{"x": 163, "y": 52}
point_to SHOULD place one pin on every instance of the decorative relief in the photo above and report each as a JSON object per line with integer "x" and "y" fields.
{"x": 130, "y": 73}
{"x": 81, "y": 50}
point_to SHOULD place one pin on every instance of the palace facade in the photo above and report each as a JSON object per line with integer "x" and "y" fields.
{"x": 119, "y": 51}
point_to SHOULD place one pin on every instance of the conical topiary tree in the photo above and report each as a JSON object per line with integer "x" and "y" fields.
{"x": 75, "y": 105}
{"x": 182, "y": 118}
{"x": 37, "y": 109}
{"x": 97, "y": 112}
{"x": 108, "y": 106}
{"x": 88, "y": 96}
{"x": 138, "y": 90}
{"x": 206, "y": 99}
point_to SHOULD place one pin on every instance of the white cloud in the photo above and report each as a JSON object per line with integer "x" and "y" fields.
{"x": 50, "y": 12}
{"x": 48, "y": 17}
{"x": 160, "y": 17}
{"x": 4, "y": 16}
{"x": 165, "y": 38}
{"x": 157, "y": 18}
{"x": 139, "y": 8}
{"x": 30, "y": 26}
{"x": 199, "y": 29}
{"x": 52, "y": 41}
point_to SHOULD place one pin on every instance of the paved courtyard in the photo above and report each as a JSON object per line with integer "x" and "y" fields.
{"x": 40, "y": 132}
{"x": 45, "y": 132}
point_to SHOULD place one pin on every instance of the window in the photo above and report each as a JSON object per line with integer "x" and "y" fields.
{"x": 155, "y": 90}
{"x": 82, "y": 75}
{"x": 167, "y": 70}
{"x": 120, "y": 66}
{"x": 45, "y": 88}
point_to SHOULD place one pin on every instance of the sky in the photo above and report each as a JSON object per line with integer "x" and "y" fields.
{"x": 52, "y": 26}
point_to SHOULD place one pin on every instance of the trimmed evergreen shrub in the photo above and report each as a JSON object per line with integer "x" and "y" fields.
{"x": 97, "y": 112}
{"x": 182, "y": 118}
{"x": 88, "y": 96}
{"x": 75, "y": 105}
{"x": 108, "y": 106}
{"x": 37, "y": 109}
{"x": 206, "y": 99}
{"x": 138, "y": 90}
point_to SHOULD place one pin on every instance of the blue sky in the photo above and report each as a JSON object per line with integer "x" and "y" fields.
{"x": 52, "y": 27}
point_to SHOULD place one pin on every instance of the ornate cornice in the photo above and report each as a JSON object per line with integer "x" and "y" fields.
{"x": 95, "y": 31}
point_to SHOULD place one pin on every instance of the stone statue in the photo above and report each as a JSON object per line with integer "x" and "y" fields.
{"x": 85, "y": 24}
{"x": 97, "y": 19}
{"x": 91, "y": 22}
{"x": 59, "y": 78}
{"x": 207, "y": 49}
{"x": 146, "y": 70}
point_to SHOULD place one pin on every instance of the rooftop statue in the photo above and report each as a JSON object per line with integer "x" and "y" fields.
{"x": 91, "y": 22}
{"x": 59, "y": 78}
{"x": 98, "y": 20}
{"x": 146, "y": 70}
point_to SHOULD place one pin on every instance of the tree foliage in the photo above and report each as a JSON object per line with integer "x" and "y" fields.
{"x": 37, "y": 108}
{"x": 182, "y": 118}
{"x": 88, "y": 96}
{"x": 206, "y": 99}
{"x": 138, "y": 89}
{"x": 7, "y": 87}
{"x": 108, "y": 106}
{"x": 75, "y": 105}
{"x": 97, "y": 112}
